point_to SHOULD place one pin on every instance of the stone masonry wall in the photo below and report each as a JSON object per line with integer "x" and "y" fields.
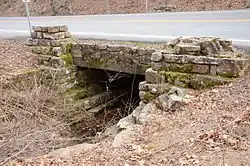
{"x": 192, "y": 63}
{"x": 53, "y": 44}
{"x": 118, "y": 58}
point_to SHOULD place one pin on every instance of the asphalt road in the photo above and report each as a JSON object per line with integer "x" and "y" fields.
{"x": 151, "y": 27}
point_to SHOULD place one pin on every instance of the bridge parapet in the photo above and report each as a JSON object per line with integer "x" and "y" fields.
{"x": 117, "y": 58}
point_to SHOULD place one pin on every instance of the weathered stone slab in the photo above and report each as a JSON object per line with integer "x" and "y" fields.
{"x": 143, "y": 86}
{"x": 63, "y": 28}
{"x": 170, "y": 102}
{"x": 156, "y": 57}
{"x": 57, "y": 51}
{"x": 76, "y": 51}
{"x": 48, "y": 42}
{"x": 153, "y": 76}
{"x": 201, "y": 45}
{"x": 231, "y": 67}
{"x": 112, "y": 57}
{"x": 56, "y": 62}
{"x": 54, "y": 36}
{"x": 109, "y": 65}
{"x": 96, "y": 100}
{"x": 195, "y": 81}
{"x": 187, "y": 49}
{"x": 32, "y": 42}
{"x": 54, "y": 29}
{"x": 40, "y": 28}
{"x": 68, "y": 35}
{"x": 173, "y": 58}
{"x": 147, "y": 96}
{"x": 50, "y": 29}
{"x": 157, "y": 89}
{"x": 36, "y": 35}
{"x": 37, "y": 28}
{"x": 185, "y": 68}
{"x": 45, "y": 50}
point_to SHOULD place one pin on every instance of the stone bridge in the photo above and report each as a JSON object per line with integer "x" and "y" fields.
{"x": 208, "y": 58}
{"x": 197, "y": 62}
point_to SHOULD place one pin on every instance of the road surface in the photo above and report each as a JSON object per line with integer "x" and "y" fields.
{"x": 151, "y": 27}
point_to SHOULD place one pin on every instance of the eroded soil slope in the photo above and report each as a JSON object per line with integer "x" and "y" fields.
{"x": 80, "y": 7}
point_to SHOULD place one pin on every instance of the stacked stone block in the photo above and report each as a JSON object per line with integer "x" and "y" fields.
{"x": 51, "y": 43}
{"x": 192, "y": 63}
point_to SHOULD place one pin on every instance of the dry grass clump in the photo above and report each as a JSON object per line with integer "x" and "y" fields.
{"x": 36, "y": 117}
{"x": 31, "y": 121}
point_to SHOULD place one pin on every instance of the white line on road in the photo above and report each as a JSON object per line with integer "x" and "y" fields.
{"x": 137, "y": 36}
{"x": 118, "y": 36}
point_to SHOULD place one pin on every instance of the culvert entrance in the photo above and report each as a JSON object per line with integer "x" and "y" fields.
{"x": 103, "y": 97}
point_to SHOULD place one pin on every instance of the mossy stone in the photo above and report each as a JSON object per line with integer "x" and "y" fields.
{"x": 80, "y": 92}
{"x": 67, "y": 58}
{"x": 195, "y": 81}
{"x": 147, "y": 96}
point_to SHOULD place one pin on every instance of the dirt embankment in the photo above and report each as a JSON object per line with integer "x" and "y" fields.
{"x": 81, "y": 7}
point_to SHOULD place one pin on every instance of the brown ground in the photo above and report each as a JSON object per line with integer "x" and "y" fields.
{"x": 15, "y": 57}
{"x": 81, "y": 7}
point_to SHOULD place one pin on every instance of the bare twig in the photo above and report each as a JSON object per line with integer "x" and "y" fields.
{"x": 16, "y": 154}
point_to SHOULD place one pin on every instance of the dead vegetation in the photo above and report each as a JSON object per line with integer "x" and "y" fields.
{"x": 213, "y": 129}
{"x": 35, "y": 115}
{"x": 31, "y": 121}
{"x": 83, "y": 7}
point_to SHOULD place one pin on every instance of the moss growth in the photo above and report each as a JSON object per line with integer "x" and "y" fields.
{"x": 146, "y": 66}
{"x": 67, "y": 58}
{"x": 182, "y": 79}
{"x": 238, "y": 55}
{"x": 195, "y": 81}
{"x": 149, "y": 96}
{"x": 100, "y": 62}
{"x": 230, "y": 75}
{"x": 184, "y": 68}
{"x": 79, "y": 92}
{"x": 69, "y": 47}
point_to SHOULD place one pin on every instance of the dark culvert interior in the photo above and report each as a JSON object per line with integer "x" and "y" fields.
{"x": 124, "y": 91}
